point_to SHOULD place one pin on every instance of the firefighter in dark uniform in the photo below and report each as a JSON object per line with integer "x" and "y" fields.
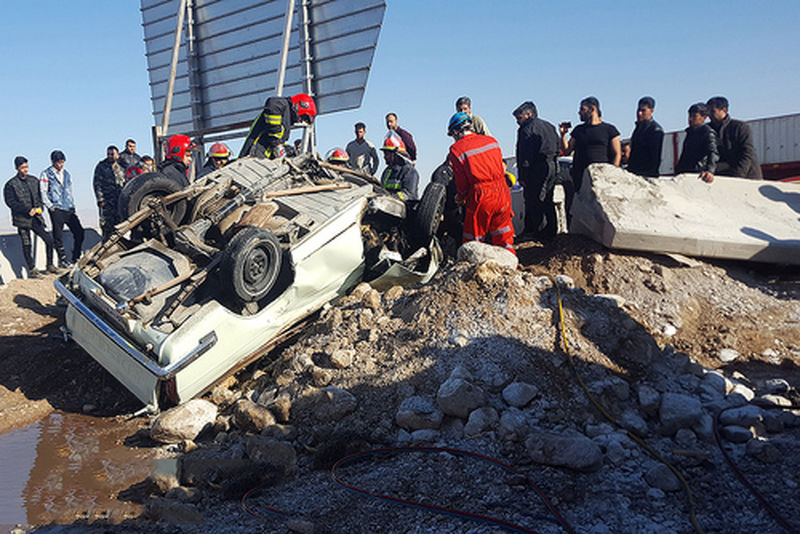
{"x": 273, "y": 125}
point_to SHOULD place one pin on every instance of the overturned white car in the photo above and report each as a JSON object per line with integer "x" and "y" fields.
{"x": 202, "y": 280}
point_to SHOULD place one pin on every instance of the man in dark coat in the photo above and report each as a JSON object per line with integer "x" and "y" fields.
{"x": 646, "y": 140}
{"x": 109, "y": 178}
{"x": 129, "y": 157}
{"x": 699, "y": 152}
{"x": 537, "y": 149}
{"x": 22, "y": 195}
{"x": 737, "y": 155}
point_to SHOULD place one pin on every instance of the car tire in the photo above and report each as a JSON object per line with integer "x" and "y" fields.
{"x": 251, "y": 263}
{"x": 137, "y": 191}
{"x": 430, "y": 211}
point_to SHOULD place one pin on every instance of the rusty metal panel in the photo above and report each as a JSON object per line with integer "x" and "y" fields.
{"x": 238, "y": 44}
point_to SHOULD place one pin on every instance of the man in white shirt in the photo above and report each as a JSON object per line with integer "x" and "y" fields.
{"x": 362, "y": 153}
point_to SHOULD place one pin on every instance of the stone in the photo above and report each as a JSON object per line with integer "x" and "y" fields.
{"x": 663, "y": 478}
{"x": 679, "y": 411}
{"x": 513, "y": 424}
{"x": 598, "y": 430}
{"x": 740, "y": 394}
{"x": 745, "y": 416}
{"x": 184, "y": 494}
{"x": 771, "y": 401}
{"x": 776, "y": 386}
{"x": 685, "y": 437}
{"x": 632, "y": 421}
{"x": 565, "y": 281}
{"x": 763, "y": 451}
{"x": 458, "y": 397}
{"x": 728, "y": 355}
{"x": 481, "y": 420}
{"x": 416, "y": 413}
{"x": 649, "y": 400}
{"x": 321, "y": 377}
{"x": 704, "y": 428}
{"x": 571, "y": 451}
{"x": 427, "y": 435}
{"x": 460, "y": 371}
{"x": 249, "y": 416}
{"x": 300, "y": 526}
{"x": 478, "y": 253}
{"x": 372, "y": 299}
{"x": 333, "y": 403}
{"x": 773, "y": 422}
{"x": 342, "y": 358}
{"x": 279, "y": 454}
{"x": 173, "y": 512}
{"x": 735, "y": 434}
{"x": 164, "y": 481}
{"x": 183, "y": 422}
{"x": 519, "y": 394}
{"x": 655, "y": 494}
{"x": 393, "y": 293}
{"x": 716, "y": 381}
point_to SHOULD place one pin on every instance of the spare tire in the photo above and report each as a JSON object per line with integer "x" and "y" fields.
{"x": 430, "y": 211}
{"x": 139, "y": 190}
{"x": 251, "y": 263}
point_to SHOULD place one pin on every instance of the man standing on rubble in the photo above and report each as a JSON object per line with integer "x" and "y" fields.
{"x": 594, "y": 141}
{"x": 399, "y": 177}
{"x": 361, "y": 153}
{"x": 737, "y": 155}
{"x": 478, "y": 125}
{"x": 646, "y": 140}
{"x": 537, "y": 149}
{"x": 22, "y": 195}
{"x": 55, "y": 186}
{"x": 477, "y": 164}
{"x": 408, "y": 139}
{"x": 699, "y": 154}
{"x": 109, "y": 178}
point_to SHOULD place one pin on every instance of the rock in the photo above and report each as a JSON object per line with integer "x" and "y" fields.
{"x": 416, "y": 413}
{"x": 360, "y": 290}
{"x": 173, "y": 512}
{"x": 728, "y": 355}
{"x": 393, "y": 293}
{"x": 249, "y": 416}
{"x": 615, "y": 452}
{"x": 279, "y": 454}
{"x": 565, "y": 281}
{"x": 663, "y": 478}
{"x": 632, "y": 421}
{"x": 478, "y": 253}
{"x": 459, "y": 371}
{"x": 333, "y": 403}
{"x": 763, "y": 450}
{"x": 519, "y": 394}
{"x": 372, "y": 299}
{"x": 655, "y": 494}
{"x": 669, "y": 330}
{"x": 716, "y": 382}
{"x": 184, "y": 494}
{"x": 790, "y": 418}
{"x": 342, "y": 358}
{"x": 182, "y": 422}
{"x": 771, "y": 400}
{"x": 281, "y": 408}
{"x": 744, "y": 416}
{"x": 427, "y": 435}
{"x": 649, "y": 400}
{"x": 598, "y": 430}
{"x": 300, "y": 526}
{"x": 735, "y": 434}
{"x": 776, "y": 386}
{"x": 614, "y": 300}
{"x": 572, "y": 451}
{"x": 740, "y": 394}
{"x": 481, "y": 420}
{"x": 685, "y": 437}
{"x": 773, "y": 422}
{"x": 164, "y": 481}
{"x": 280, "y": 432}
{"x": 679, "y": 411}
{"x": 321, "y": 377}
{"x": 513, "y": 424}
{"x": 704, "y": 428}
{"x": 88, "y": 408}
{"x": 458, "y": 397}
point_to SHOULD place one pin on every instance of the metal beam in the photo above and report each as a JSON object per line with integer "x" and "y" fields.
{"x": 287, "y": 34}
{"x": 174, "y": 66}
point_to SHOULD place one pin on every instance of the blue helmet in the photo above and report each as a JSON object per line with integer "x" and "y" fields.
{"x": 457, "y": 122}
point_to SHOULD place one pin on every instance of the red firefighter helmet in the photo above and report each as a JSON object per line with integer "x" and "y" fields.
{"x": 219, "y": 150}
{"x": 177, "y": 146}
{"x": 393, "y": 143}
{"x": 337, "y": 155}
{"x": 304, "y": 105}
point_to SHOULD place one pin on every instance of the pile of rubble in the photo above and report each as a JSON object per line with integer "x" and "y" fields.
{"x": 474, "y": 361}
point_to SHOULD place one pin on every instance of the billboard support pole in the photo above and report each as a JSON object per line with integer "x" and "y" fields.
{"x": 287, "y": 34}
{"x": 309, "y": 139}
{"x": 174, "y": 67}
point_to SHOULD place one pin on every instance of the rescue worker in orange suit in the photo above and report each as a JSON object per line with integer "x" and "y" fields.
{"x": 179, "y": 158}
{"x": 399, "y": 177}
{"x": 273, "y": 125}
{"x": 477, "y": 164}
{"x": 219, "y": 155}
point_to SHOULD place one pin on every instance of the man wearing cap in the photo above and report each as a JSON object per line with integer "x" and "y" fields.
{"x": 399, "y": 177}
{"x": 21, "y": 194}
{"x": 55, "y": 185}
{"x": 477, "y": 164}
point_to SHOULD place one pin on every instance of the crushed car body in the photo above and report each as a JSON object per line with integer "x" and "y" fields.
{"x": 199, "y": 281}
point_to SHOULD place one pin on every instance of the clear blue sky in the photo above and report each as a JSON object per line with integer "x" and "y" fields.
{"x": 75, "y": 75}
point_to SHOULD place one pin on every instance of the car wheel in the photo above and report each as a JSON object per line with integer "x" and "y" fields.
{"x": 430, "y": 211}
{"x": 251, "y": 263}
{"x": 138, "y": 191}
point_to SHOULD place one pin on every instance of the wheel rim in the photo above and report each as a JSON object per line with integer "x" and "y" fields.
{"x": 255, "y": 268}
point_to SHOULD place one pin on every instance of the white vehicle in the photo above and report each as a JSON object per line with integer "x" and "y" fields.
{"x": 170, "y": 309}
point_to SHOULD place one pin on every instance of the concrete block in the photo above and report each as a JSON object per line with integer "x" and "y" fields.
{"x": 731, "y": 218}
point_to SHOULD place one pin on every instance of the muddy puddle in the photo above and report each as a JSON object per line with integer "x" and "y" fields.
{"x": 70, "y": 467}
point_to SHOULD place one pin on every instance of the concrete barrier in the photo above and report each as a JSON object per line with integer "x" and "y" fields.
{"x": 12, "y": 261}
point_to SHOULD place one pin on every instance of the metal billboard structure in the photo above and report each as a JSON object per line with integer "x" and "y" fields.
{"x": 213, "y": 63}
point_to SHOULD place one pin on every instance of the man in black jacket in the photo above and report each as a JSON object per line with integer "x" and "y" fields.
{"x": 537, "y": 149}
{"x": 737, "y": 155}
{"x": 109, "y": 178}
{"x": 129, "y": 157}
{"x": 22, "y": 195}
{"x": 646, "y": 140}
{"x": 699, "y": 152}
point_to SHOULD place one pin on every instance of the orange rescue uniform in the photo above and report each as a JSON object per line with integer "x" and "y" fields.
{"x": 477, "y": 164}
